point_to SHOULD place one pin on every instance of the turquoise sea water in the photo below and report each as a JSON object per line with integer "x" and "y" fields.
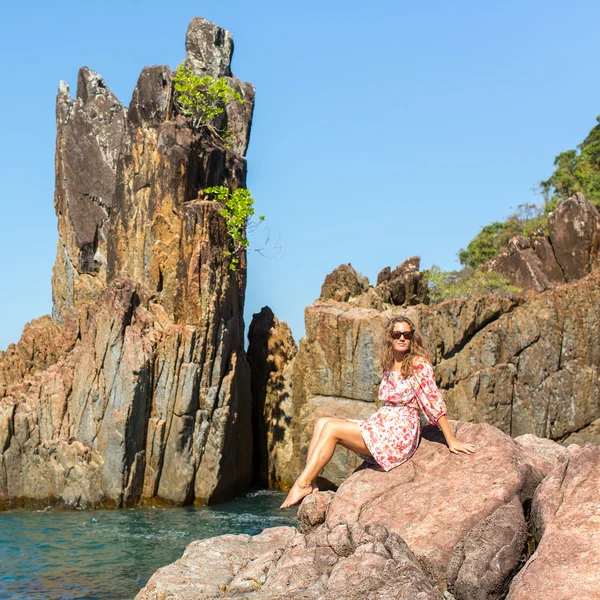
{"x": 110, "y": 554}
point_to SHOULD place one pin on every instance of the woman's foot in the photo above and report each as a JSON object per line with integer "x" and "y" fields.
{"x": 297, "y": 493}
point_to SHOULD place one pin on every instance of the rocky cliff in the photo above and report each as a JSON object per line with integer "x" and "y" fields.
{"x": 138, "y": 389}
{"x": 526, "y": 364}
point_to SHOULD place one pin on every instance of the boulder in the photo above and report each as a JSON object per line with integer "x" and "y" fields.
{"x": 565, "y": 514}
{"x": 443, "y": 505}
{"x": 546, "y": 449}
{"x": 574, "y": 228}
{"x": 281, "y": 563}
{"x": 522, "y": 265}
{"x": 483, "y": 561}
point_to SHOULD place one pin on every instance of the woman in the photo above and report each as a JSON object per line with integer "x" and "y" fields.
{"x": 391, "y": 435}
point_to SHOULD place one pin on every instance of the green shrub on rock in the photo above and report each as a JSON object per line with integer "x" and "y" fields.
{"x": 468, "y": 283}
{"x": 237, "y": 210}
{"x": 203, "y": 99}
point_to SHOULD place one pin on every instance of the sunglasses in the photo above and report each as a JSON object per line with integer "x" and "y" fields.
{"x": 396, "y": 335}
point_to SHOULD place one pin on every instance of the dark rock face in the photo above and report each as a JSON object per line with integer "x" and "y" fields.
{"x": 270, "y": 351}
{"x": 281, "y": 563}
{"x": 568, "y": 253}
{"x": 90, "y": 131}
{"x": 145, "y": 393}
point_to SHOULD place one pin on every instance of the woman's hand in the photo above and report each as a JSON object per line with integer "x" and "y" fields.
{"x": 456, "y": 447}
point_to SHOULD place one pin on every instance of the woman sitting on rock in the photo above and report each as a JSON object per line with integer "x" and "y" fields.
{"x": 391, "y": 435}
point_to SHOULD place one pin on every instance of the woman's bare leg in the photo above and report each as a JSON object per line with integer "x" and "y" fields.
{"x": 317, "y": 433}
{"x": 333, "y": 432}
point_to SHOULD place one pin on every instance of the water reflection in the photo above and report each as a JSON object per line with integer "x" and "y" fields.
{"x": 59, "y": 555}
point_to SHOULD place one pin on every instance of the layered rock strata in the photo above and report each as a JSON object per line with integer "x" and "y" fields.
{"x": 143, "y": 393}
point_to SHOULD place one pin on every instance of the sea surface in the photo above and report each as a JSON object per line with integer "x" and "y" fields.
{"x": 111, "y": 554}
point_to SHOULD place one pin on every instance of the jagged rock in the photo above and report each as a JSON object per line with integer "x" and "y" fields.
{"x": 149, "y": 378}
{"x": 343, "y": 283}
{"x": 89, "y": 135}
{"x": 565, "y": 513}
{"x": 42, "y": 343}
{"x": 270, "y": 352}
{"x": 574, "y": 229}
{"x": 209, "y": 50}
{"x": 543, "y": 248}
{"x": 280, "y": 563}
{"x": 569, "y": 252}
{"x": 441, "y": 503}
{"x": 404, "y": 285}
{"x": 129, "y": 405}
{"x": 522, "y": 266}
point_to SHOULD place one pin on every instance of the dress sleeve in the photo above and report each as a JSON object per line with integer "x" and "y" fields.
{"x": 428, "y": 394}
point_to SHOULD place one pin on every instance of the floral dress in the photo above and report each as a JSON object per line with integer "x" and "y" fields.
{"x": 392, "y": 433}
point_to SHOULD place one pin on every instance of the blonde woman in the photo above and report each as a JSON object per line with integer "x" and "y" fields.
{"x": 391, "y": 435}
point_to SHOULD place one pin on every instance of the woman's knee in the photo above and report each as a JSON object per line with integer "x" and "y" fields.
{"x": 330, "y": 428}
{"x": 320, "y": 423}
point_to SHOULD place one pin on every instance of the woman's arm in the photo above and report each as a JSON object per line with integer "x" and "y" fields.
{"x": 453, "y": 444}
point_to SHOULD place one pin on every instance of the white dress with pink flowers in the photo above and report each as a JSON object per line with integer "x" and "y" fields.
{"x": 392, "y": 433}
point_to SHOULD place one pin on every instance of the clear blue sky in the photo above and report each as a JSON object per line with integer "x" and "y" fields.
{"x": 382, "y": 129}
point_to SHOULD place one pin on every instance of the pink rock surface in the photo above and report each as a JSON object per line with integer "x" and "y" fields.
{"x": 566, "y": 518}
{"x": 436, "y": 498}
{"x": 282, "y": 564}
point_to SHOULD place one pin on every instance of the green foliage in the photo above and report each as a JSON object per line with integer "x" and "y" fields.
{"x": 237, "y": 210}
{"x": 203, "y": 98}
{"x": 576, "y": 171}
{"x": 468, "y": 283}
{"x": 492, "y": 238}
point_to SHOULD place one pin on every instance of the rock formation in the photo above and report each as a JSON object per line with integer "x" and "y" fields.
{"x": 281, "y": 564}
{"x": 526, "y": 364}
{"x": 456, "y": 524}
{"x": 565, "y": 514}
{"x": 569, "y": 252}
{"x": 138, "y": 390}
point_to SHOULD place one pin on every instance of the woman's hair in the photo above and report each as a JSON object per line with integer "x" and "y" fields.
{"x": 416, "y": 348}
